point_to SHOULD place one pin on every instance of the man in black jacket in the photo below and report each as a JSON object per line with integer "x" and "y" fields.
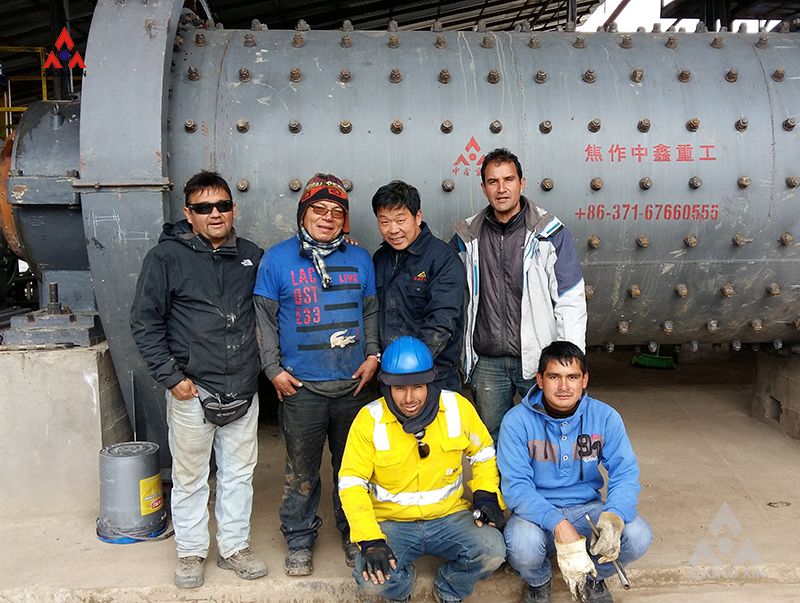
{"x": 194, "y": 324}
{"x": 421, "y": 282}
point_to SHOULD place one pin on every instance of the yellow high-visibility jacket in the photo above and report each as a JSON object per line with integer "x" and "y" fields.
{"x": 383, "y": 477}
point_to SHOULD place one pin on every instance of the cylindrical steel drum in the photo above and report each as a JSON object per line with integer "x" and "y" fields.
{"x": 131, "y": 495}
{"x": 673, "y": 158}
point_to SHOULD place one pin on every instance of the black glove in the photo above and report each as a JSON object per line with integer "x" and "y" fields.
{"x": 375, "y": 557}
{"x": 486, "y": 503}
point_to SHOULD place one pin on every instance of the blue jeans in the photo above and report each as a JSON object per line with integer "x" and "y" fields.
{"x": 529, "y": 546}
{"x": 471, "y": 554}
{"x": 495, "y": 380}
{"x": 235, "y": 446}
{"x": 306, "y": 419}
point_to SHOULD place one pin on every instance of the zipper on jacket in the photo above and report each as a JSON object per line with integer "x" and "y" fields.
{"x": 503, "y": 317}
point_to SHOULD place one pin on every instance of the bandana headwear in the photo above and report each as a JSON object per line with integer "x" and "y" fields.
{"x": 324, "y": 187}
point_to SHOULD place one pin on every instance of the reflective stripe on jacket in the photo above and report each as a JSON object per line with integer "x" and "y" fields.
{"x": 383, "y": 477}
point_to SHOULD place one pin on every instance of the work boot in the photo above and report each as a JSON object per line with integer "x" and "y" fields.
{"x": 299, "y": 562}
{"x": 246, "y": 565}
{"x": 350, "y": 550}
{"x": 538, "y": 594}
{"x": 596, "y": 592}
{"x": 189, "y": 572}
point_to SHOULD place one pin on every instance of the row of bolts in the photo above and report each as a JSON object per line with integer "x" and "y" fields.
{"x": 540, "y": 77}
{"x": 545, "y": 127}
{"x": 595, "y": 184}
{"x": 626, "y": 41}
{"x": 682, "y": 291}
{"x": 690, "y": 240}
{"x": 694, "y": 345}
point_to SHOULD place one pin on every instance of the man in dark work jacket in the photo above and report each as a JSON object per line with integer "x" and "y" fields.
{"x": 420, "y": 280}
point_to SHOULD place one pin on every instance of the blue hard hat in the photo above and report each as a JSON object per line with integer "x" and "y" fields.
{"x": 406, "y": 361}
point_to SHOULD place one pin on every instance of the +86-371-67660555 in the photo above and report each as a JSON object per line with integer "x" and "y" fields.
{"x": 677, "y": 211}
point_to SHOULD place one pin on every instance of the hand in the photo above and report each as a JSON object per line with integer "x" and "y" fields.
{"x": 491, "y": 515}
{"x": 377, "y": 558}
{"x": 365, "y": 372}
{"x": 285, "y": 384}
{"x": 485, "y": 503}
{"x": 610, "y": 526}
{"x": 351, "y": 240}
{"x": 185, "y": 390}
{"x": 575, "y": 563}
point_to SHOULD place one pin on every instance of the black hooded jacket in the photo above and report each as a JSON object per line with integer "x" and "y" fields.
{"x": 192, "y": 315}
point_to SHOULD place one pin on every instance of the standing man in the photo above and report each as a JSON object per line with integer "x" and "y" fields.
{"x": 193, "y": 321}
{"x": 525, "y": 288}
{"x": 549, "y": 454}
{"x": 317, "y": 311}
{"x": 401, "y": 483}
{"x": 420, "y": 280}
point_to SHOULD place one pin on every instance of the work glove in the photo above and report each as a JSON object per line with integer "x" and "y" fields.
{"x": 376, "y": 556}
{"x": 610, "y": 526}
{"x": 485, "y": 509}
{"x": 574, "y": 563}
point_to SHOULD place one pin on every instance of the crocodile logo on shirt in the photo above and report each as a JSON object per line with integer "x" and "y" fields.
{"x": 340, "y": 340}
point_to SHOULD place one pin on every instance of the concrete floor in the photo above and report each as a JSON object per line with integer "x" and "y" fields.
{"x": 701, "y": 455}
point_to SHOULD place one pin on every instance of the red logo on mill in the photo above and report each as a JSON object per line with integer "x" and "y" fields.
{"x": 471, "y": 162}
{"x": 64, "y": 40}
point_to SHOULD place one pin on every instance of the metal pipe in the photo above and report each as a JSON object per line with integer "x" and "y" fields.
{"x": 617, "y": 565}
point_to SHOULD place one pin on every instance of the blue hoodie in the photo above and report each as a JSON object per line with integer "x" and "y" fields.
{"x": 547, "y": 463}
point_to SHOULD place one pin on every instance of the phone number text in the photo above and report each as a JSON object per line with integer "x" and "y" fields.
{"x": 667, "y": 211}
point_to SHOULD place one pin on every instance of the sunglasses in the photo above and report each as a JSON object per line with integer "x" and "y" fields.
{"x": 206, "y": 208}
{"x": 423, "y": 448}
{"x": 336, "y": 212}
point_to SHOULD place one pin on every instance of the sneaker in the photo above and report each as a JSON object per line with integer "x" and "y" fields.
{"x": 246, "y": 565}
{"x": 299, "y": 562}
{"x": 350, "y": 551}
{"x": 189, "y": 572}
{"x": 538, "y": 594}
{"x": 406, "y": 600}
{"x": 596, "y": 592}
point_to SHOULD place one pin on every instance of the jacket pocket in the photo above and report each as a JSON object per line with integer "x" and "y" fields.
{"x": 387, "y": 458}
{"x": 417, "y": 295}
{"x": 193, "y": 365}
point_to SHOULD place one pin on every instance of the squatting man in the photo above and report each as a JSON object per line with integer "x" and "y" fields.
{"x": 549, "y": 454}
{"x": 401, "y": 483}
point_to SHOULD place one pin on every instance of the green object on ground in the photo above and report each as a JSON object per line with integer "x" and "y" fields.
{"x": 655, "y": 361}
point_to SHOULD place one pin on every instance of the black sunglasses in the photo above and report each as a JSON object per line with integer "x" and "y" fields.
{"x": 423, "y": 448}
{"x": 206, "y": 208}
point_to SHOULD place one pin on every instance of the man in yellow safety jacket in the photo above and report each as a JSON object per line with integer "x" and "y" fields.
{"x": 401, "y": 485}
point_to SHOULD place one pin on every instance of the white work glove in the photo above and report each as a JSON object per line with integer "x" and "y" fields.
{"x": 574, "y": 563}
{"x": 610, "y": 526}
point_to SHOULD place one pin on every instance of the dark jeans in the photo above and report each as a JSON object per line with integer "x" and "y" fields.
{"x": 306, "y": 419}
{"x": 495, "y": 380}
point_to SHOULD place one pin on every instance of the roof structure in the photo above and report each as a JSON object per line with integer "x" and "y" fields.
{"x": 38, "y": 23}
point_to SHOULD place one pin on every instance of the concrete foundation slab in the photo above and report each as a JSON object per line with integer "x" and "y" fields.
{"x": 59, "y": 408}
{"x": 719, "y": 488}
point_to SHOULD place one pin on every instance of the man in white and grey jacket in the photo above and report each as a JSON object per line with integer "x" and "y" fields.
{"x": 525, "y": 289}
